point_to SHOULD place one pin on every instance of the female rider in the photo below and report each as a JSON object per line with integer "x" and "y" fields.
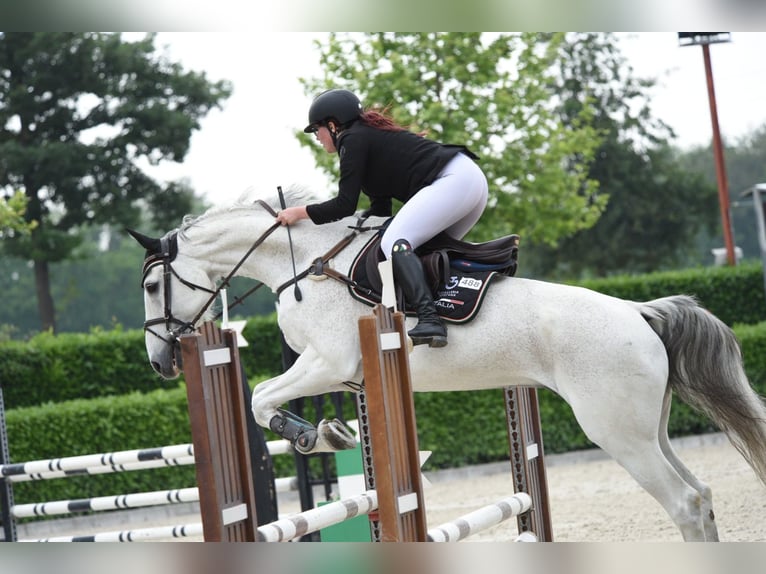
{"x": 441, "y": 188}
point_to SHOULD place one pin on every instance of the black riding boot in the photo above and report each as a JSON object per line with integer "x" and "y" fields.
{"x": 408, "y": 273}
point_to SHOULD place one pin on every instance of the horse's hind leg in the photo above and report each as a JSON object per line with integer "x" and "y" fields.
{"x": 655, "y": 473}
{"x": 628, "y": 431}
{"x": 707, "y": 515}
{"x": 706, "y": 495}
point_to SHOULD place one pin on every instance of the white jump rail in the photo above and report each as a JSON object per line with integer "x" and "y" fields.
{"x": 78, "y": 463}
{"x": 481, "y": 519}
{"x": 297, "y": 525}
{"x": 116, "y": 461}
{"x": 120, "y": 501}
{"x": 127, "y": 467}
{"x": 137, "y": 500}
{"x": 137, "y": 535}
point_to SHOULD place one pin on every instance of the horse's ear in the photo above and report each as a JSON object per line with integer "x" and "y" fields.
{"x": 149, "y": 243}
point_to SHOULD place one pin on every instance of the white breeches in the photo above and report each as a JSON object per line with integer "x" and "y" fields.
{"x": 452, "y": 203}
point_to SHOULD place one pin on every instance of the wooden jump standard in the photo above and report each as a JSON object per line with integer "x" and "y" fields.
{"x": 393, "y": 431}
{"x": 219, "y": 433}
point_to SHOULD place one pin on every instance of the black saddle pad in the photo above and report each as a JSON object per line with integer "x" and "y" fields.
{"x": 459, "y": 299}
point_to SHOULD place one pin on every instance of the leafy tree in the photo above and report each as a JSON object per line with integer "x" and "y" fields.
{"x": 78, "y": 112}
{"x": 12, "y": 215}
{"x": 656, "y": 209}
{"x": 100, "y": 290}
{"x": 492, "y": 94}
{"x": 745, "y": 160}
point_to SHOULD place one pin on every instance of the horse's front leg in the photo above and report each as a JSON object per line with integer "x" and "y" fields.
{"x": 309, "y": 375}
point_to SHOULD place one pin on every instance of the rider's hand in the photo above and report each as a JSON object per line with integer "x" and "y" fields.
{"x": 291, "y": 215}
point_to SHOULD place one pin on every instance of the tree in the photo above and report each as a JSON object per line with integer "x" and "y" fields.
{"x": 12, "y": 215}
{"x": 745, "y": 160}
{"x": 656, "y": 208}
{"x": 78, "y": 112}
{"x": 490, "y": 93}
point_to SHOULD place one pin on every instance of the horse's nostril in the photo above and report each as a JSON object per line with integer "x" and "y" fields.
{"x": 156, "y": 367}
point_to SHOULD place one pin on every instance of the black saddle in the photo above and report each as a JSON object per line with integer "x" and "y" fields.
{"x": 458, "y": 272}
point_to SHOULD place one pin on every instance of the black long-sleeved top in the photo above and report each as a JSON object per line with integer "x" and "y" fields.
{"x": 384, "y": 165}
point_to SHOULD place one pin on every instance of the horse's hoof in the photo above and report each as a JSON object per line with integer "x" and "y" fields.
{"x": 335, "y": 435}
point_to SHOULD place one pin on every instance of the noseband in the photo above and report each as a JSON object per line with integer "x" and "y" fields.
{"x": 165, "y": 257}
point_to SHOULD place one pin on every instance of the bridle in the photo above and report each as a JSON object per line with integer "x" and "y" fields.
{"x": 169, "y": 250}
{"x": 174, "y": 326}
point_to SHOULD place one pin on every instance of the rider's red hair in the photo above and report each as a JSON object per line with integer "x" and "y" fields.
{"x": 382, "y": 120}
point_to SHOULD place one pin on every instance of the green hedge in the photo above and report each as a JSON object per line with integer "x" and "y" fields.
{"x": 105, "y": 363}
{"x": 108, "y": 424}
{"x": 75, "y": 365}
{"x": 460, "y": 428}
{"x": 733, "y": 294}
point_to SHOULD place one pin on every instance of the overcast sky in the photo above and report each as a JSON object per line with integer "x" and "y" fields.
{"x": 250, "y": 143}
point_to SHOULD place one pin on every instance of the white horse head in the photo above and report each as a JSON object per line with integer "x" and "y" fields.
{"x": 172, "y": 300}
{"x": 180, "y": 274}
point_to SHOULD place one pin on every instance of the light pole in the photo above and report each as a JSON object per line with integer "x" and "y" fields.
{"x": 704, "y": 39}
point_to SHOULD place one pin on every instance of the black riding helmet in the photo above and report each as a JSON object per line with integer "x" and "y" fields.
{"x": 339, "y": 105}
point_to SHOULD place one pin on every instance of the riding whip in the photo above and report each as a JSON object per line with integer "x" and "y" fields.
{"x": 296, "y": 290}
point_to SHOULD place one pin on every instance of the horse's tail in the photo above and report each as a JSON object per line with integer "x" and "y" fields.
{"x": 706, "y": 371}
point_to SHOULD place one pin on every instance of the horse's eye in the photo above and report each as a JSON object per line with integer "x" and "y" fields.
{"x": 151, "y": 287}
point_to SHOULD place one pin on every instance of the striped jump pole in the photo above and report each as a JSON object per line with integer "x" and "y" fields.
{"x": 297, "y": 525}
{"x": 119, "y": 461}
{"x": 480, "y": 519}
{"x": 136, "y": 500}
{"x": 111, "y": 459}
{"x": 137, "y": 535}
{"x": 127, "y": 467}
{"x": 120, "y": 501}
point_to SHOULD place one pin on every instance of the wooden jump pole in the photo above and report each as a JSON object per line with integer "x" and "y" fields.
{"x": 392, "y": 424}
{"x": 219, "y": 434}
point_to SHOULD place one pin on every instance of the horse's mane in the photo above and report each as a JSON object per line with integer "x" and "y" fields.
{"x": 294, "y": 195}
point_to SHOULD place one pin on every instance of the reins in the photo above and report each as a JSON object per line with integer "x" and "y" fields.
{"x": 225, "y": 282}
{"x": 318, "y": 267}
